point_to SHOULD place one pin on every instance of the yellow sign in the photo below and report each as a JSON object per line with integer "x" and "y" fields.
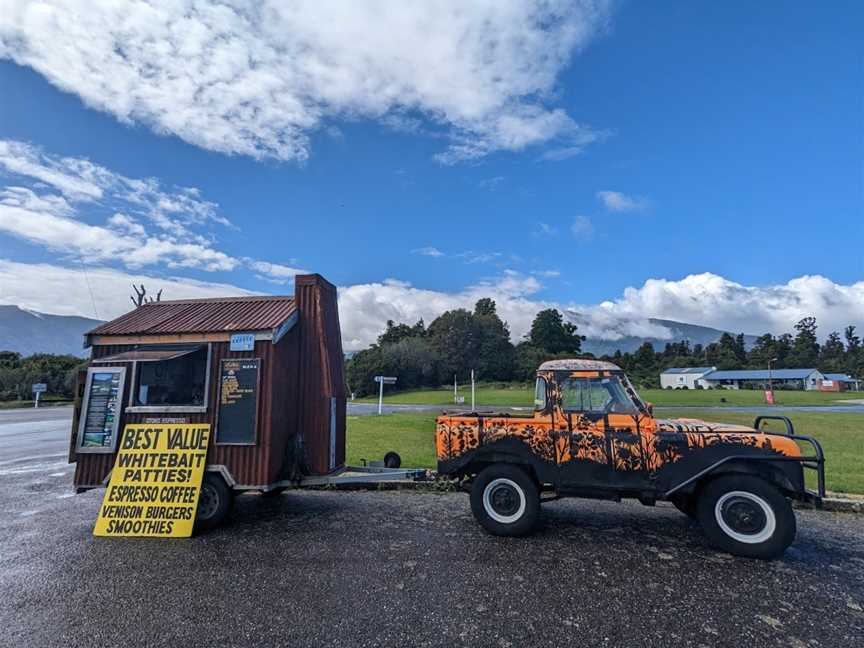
{"x": 156, "y": 481}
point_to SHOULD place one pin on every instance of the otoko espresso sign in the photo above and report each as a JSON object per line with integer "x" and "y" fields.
{"x": 155, "y": 482}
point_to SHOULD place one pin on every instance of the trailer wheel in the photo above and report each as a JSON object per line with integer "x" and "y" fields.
{"x": 746, "y": 516}
{"x": 214, "y": 502}
{"x": 687, "y": 504}
{"x": 505, "y": 500}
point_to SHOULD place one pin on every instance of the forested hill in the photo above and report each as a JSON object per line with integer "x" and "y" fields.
{"x": 28, "y": 332}
{"x": 678, "y": 332}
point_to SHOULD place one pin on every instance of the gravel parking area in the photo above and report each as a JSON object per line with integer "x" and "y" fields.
{"x": 413, "y": 569}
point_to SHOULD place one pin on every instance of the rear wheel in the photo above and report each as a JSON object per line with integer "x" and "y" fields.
{"x": 505, "y": 500}
{"x": 214, "y": 502}
{"x": 746, "y": 516}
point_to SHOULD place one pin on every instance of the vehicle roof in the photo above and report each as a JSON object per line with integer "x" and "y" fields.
{"x": 578, "y": 364}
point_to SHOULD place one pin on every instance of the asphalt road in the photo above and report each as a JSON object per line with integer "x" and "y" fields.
{"x": 403, "y": 569}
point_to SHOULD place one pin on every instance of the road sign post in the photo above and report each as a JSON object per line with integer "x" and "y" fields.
{"x": 38, "y": 388}
{"x": 382, "y": 380}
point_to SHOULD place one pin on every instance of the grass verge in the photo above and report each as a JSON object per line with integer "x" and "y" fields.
{"x": 519, "y": 395}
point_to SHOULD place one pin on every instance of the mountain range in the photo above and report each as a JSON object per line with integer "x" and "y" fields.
{"x": 29, "y": 332}
{"x": 676, "y": 331}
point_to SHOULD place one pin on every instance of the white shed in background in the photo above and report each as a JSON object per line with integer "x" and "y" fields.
{"x": 683, "y": 377}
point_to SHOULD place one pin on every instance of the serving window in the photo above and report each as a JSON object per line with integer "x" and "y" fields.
{"x": 167, "y": 378}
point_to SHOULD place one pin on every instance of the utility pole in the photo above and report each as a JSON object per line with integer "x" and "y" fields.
{"x": 472, "y": 391}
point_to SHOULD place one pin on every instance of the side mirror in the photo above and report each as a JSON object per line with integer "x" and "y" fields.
{"x": 650, "y": 408}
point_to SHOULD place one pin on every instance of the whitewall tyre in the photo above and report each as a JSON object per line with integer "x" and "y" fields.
{"x": 746, "y": 516}
{"x": 505, "y": 500}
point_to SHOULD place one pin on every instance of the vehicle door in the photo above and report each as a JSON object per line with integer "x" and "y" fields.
{"x": 605, "y": 437}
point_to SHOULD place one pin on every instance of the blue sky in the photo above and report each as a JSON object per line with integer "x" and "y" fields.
{"x": 715, "y": 149}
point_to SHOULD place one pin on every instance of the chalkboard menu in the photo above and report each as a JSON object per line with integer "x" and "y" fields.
{"x": 238, "y": 401}
{"x": 101, "y": 412}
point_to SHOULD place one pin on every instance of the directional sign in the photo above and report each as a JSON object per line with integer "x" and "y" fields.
{"x": 40, "y": 388}
{"x": 383, "y": 380}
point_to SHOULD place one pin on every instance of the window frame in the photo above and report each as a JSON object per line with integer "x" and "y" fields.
{"x": 80, "y": 448}
{"x": 585, "y": 382}
{"x": 155, "y": 409}
{"x": 545, "y": 394}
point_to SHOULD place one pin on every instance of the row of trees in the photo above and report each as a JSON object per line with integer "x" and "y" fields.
{"x": 18, "y": 374}
{"x": 455, "y": 343}
{"x": 459, "y": 340}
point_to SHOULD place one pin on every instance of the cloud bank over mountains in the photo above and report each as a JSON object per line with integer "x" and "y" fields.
{"x": 705, "y": 299}
{"x": 261, "y": 79}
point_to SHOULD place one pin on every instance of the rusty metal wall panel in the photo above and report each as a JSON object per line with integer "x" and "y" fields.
{"x": 256, "y": 465}
{"x": 321, "y": 369}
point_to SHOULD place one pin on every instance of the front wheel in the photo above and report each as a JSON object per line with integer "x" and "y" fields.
{"x": 746, "y": 516}
{"x": 505, "y": 500}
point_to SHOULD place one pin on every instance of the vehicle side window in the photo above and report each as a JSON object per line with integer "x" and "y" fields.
{"x": 540, "y": 395}
{"x": 583, "y": 395}
{"x": 601, "y": 395}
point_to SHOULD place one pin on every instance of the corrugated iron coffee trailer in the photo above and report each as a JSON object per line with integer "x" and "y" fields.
{"x": 266, "y": 372}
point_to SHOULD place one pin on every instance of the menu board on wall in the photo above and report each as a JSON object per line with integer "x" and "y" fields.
{"x": 238, "y": 401}
{"x": 101, "y": 409}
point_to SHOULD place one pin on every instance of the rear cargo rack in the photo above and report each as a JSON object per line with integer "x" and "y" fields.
{"x": 815, "y": 462}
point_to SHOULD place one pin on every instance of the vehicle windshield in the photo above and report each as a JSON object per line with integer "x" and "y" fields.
{"x": 605, "y": 395}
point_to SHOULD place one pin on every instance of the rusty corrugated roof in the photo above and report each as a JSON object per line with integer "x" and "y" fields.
{"x": 224, "y": 314}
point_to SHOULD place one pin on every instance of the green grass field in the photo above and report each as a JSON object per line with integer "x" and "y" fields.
{"x": 412, "y": 435}
{"x": 517, "y": 395}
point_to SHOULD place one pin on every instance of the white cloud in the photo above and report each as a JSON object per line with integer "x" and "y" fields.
{"x": 46, "y": 221}
{"x": 274, "y": 272}
{"x": 491, "y": 184}
{"x": 258, "y": 79}
{"x": 582, "y": 228}
{"x": 549, "y": 274}
{"x": 711, "y": 300}
{"x": 544, "y": 229}
{"x": 80, "y": 181}
{"x": 49, "y": 213}
{"x": 50, "y": 288}
{"x": 429, "y": 251}
{"x": 471, "y": 257}
{"x": 618, "y": 202}
{"x": 364, "y": 308}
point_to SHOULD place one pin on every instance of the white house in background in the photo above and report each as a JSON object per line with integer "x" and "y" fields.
{"x": 683, "y": 377}
{"x": 806, "y": 379}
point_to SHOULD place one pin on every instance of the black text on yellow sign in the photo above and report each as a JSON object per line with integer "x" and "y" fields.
{"x": 155, "y": 482}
